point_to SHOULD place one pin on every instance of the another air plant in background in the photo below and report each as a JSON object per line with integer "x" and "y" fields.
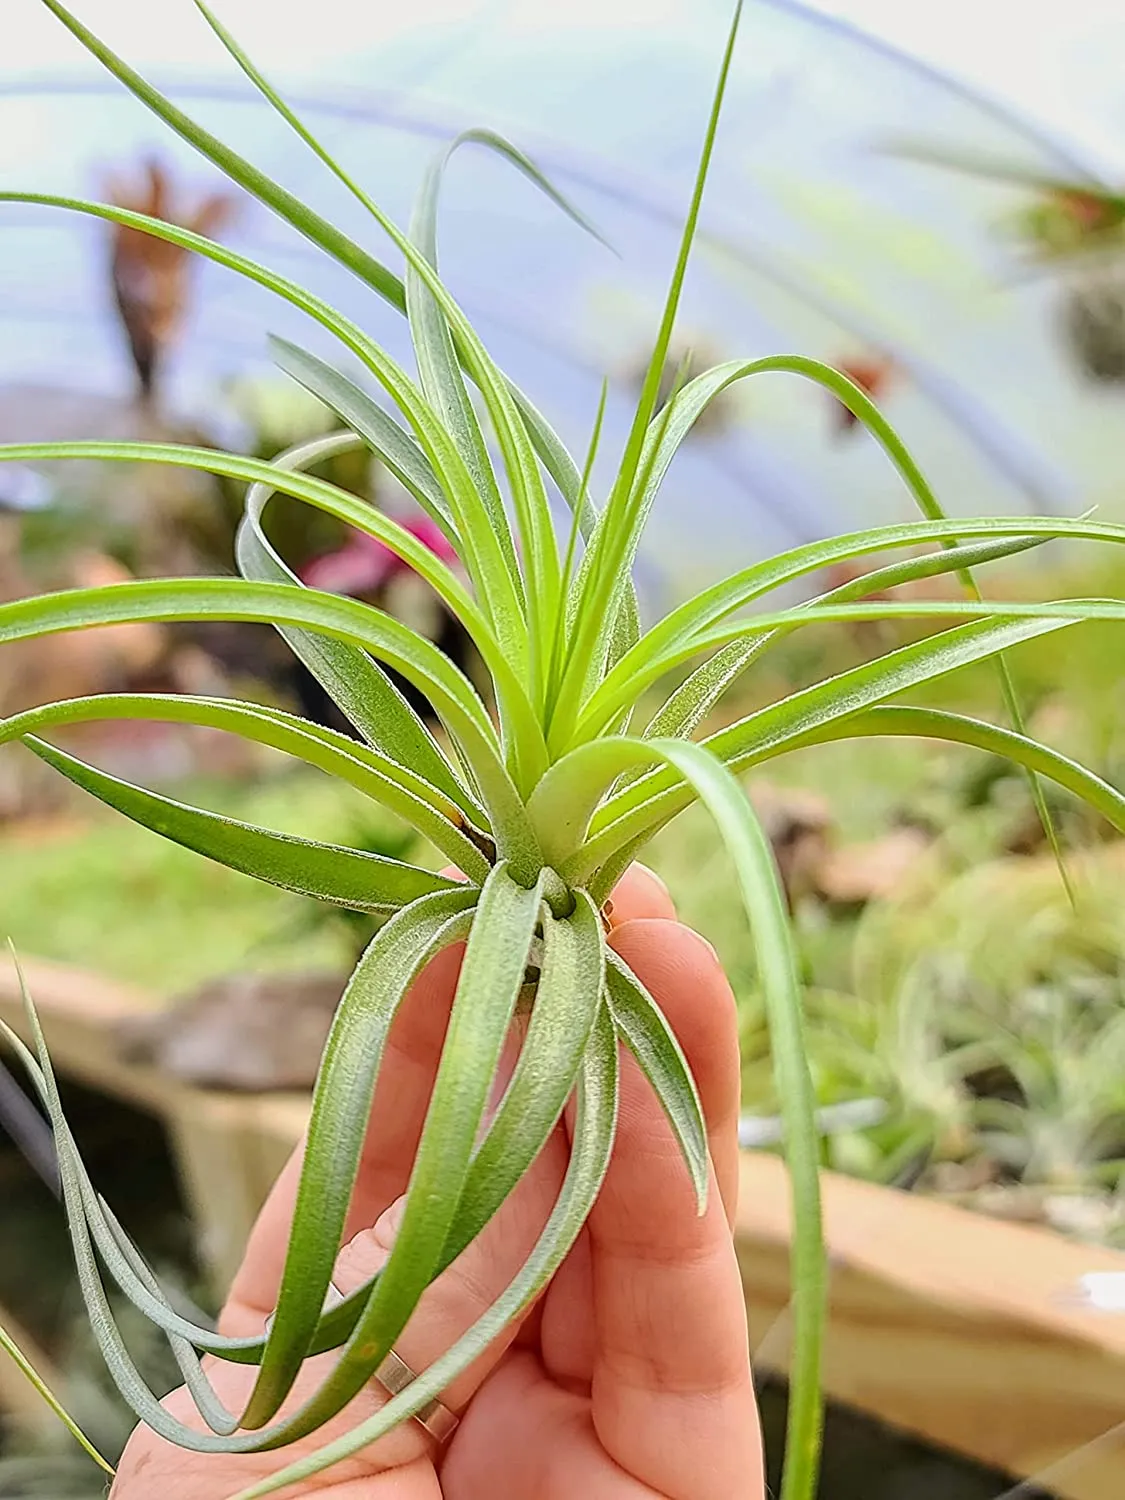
{"x": 150, "y": 276}
{"x": 542, "y": 804}
{"x": 1076, "y": 228}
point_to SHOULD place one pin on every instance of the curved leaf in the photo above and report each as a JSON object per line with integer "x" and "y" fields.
{"x": 492, "y": 976}
{"x": 393, "y": 786}
{"x": 766, "y": 910}
{"x": 612, "y": 551}
{"x": 232, "y": 599}
{"x": 685, "y": 631}
{"x": 641, "y": 1025}
{"x": 640, "y": 809}
{"x": 689, "y": 705}
{"x": 562, "y": 1017}
{"x": 338, "y": 1124}
{"x": 327, "y": 872}
{"x": 594, "y": 1128}
{"x": 365, "y": 418}
{"x": 481, "y": 555}
{"x": 525, "y": 481}
{"x": 360, "y": 689}
{"x": 930, "y": 723}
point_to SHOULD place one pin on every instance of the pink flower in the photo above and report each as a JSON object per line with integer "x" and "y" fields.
{"x": 364, "y": 564}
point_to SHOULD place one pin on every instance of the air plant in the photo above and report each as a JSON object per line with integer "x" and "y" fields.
{"x": 542, "y": 804}
{"x": 149, "y": 276}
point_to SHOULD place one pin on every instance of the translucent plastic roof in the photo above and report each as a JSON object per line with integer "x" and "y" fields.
{"x": 815, "y": 240}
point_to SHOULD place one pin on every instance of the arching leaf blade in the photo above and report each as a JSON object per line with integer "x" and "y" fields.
{"x": 338, "y": 1126}
{"x": 392, "y": 786}
{"x": 594, "y": 1129}
{"x": 326, "y": 872}
{"x": 562, "y": 1018}
{"x": 492, "y": 975}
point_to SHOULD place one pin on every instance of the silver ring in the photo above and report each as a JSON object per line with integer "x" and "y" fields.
{"x": 394, "y": 1375}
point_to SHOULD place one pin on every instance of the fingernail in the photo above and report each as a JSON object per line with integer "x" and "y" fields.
{"x": 655, "y": 878}
{"x": 709, "y": 947}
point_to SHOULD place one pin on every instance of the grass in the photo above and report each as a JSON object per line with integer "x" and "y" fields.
{"x": 108, "y": 895}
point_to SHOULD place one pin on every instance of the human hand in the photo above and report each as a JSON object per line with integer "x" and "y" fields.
{"x": 628, "y": 1380}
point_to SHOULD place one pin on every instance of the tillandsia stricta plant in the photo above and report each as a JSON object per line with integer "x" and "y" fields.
{"x": 541, "y": 803}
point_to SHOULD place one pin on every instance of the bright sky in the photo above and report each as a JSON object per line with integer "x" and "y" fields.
{"x": 1064, "y": 64}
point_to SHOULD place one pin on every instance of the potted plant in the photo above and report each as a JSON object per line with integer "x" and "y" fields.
{"x": 541, "y": 806}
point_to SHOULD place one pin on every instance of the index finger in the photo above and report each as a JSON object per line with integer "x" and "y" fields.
{"x": 672, "y": 1389}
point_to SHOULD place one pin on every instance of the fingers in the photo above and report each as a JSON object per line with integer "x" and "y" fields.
{"x": 671, "y": 1386}
{"x": 401, "y": 1098}
{"x": 682, "y": 972}
{"x": 398, "y": 1112}
{"x": 684, "y": 976}
{"x": 639, "y": 893}
{"x": 470, "y": 1286}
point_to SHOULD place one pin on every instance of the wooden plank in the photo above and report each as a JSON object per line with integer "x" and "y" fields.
{"x": 228, "y": 1148}
{"x": 951, "y": 1326}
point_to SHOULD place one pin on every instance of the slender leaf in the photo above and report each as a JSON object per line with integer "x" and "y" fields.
{"x": 929, "y": 723}
{"x": 393, "y": 786}
{"x": 693, "y": 700}
{"x": 338, "y": 1126}
{"x": 766, "y": 909}
{"x": 491, "y": 978}
{"x": 612, "y": 548}
{"x": 528, "y": 493}
{"x": 562, "y": 1018}
{"x": 360, "y": 689}
{"x": 365, "y": 418}
{"x": 637, "y": 811}
{"x": 641, "y": 1025}
{"x": 666, "y": 644}
{"x": 451, "y": 693}
{"x": 594, "y": 1130}
{"x": 9, "y": 1347}
{"x": 326, "y": 872}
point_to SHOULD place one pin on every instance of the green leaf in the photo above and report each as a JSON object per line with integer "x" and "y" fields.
{"x": 9, "y": 1346}
{"x": 698, "y": 694}
{"x": 106, "y": 1333}
{"x": 594, "y": 1130}
{"x": 640, "y": 809}
{"x": 361, "y": 690}
{"x": 392, "y": 786}
{"x": 528, "y": 493}
{"x": 287, "y": 480}
{"x": 609, "y": 560}
{"x": 481, "y": 554}
{"x": 231, "y": 599}
{"x": 764, "y": 900}
{"x": 237, "y": 168}
{"x": 377, "y": 428}
{"x": 641, "y": 1025}
{"x": 562, "y": 1018}
{"x": 529, "y": 749}
{"x": 338, "y": 1125}
{"x": 439, "y": 368}
{"x": 492, "y": 976}
{"x": 929, "y": 723}
{"x": 327, "y": 872}
{"x": 684, "y": 631}
{"x": 123, "y": 1260}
